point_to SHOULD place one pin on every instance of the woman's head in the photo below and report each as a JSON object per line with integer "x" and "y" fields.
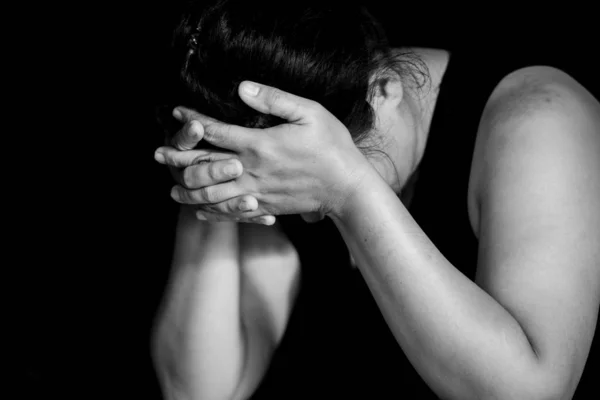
{"x": 315, "y": 49}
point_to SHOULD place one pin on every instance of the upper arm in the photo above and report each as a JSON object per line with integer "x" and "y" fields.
{"x": 538, "y": 216}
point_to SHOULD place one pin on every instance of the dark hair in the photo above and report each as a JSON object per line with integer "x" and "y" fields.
{"x": 314, "y": 49}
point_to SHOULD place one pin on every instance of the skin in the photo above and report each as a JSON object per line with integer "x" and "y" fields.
{"x": 523, "y": 329}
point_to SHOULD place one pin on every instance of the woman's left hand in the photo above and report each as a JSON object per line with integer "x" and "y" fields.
{"x": 308, "y": 165}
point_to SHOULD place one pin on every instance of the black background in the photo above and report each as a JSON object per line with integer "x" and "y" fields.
{"x": 97, "y": 232}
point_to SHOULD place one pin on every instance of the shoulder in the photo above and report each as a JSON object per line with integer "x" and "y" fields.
{"x": 533, "y": 112}
{"x": 527, "y": 92}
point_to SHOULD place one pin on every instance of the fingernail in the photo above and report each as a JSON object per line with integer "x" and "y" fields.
{"x": 245, "y": 206}
{"x": 232, "y": 169}
{"x": 200, "y": 216}
{"x": 177, "y": 114}
{"x": 250, "y": 89}
{"x": 268, "y": 220}
{"x": 174, "y": 193}
{"x": 159, "y": 157}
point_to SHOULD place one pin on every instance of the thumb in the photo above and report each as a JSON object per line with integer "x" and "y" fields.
{"x": 269, "y": 100}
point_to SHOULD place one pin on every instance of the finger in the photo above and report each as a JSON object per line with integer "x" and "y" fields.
{"x": 263, "y": 220}
{"x": 222, "y": 135}
{"x": 188, "y": 136}
{"x": 211, "y": 173}
{"x": 216, "y": 217}
{"x": 181, "y": 159}
{"x": 184, "y": 114}
{"x": 206, "y": 195}
{"x": 245, "y": 206}
{"x": 269, "y": 100}
{"x": 240, "y": 209}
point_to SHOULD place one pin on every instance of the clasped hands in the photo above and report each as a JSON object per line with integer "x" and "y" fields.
{"x": 308, "y": 166}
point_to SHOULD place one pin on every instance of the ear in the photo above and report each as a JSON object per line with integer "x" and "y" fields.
{"x": 386, "y": 87}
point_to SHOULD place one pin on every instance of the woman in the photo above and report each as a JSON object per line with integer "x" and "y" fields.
{"x": 481, "y": 281}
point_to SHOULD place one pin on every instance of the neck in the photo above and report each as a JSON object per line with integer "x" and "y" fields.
{"x": 419, "y": 107}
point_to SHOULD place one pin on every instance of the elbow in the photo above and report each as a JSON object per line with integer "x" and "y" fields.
{"x": 180, "y": 378}
{"x": 174, "y": 387}
{"x": 553, "y": 385}
{"x": 167, "y": 372}
{"x": 553, "y": 389}
{"x": 547, "y": 388}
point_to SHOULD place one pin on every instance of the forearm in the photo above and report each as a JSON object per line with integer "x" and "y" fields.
{"x": 199, "y": 344}
{"x": 461, "y": 341}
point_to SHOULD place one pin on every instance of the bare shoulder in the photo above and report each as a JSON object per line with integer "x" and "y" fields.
{"x": 527, "y": 91}
{"x": 533, "y": 107}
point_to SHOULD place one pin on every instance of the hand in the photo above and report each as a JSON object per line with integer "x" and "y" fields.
{"x": 202, "y": 169}
{"x": 305, "y": 166}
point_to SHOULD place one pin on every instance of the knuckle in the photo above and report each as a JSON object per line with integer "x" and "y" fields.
{"x": 207, "y": 208}
{"x": 231, "y": 206}
{"x": 228, "y": 131}
{"x": 200, "y": 158}
{"x": 171, "y": 160}
{"x": 274, "y": 97}
{"x": 245, "y": 204}
{"x": 214, "y": 171}
{"x": 209, "y": 135}
{"x": 276, "y": 94}
{"x": 177, "y": 141}
{"x": 188, "y": 128}
{"x": 254, "y": 147}
{"x": 183, "y": 139}
{"x": 186, "y": 196}
{"x": 176, "y": 160}
{"x": 200, "y": 195}
{"x": 168, "y": 155}
{"x": 189, "y": 177}
{"x": 314, "y": 108}
{"x": 195, "y": 130}
{"x": 206, "y": 195}
{"x": 298, "y": 109}
{"x": 224, "y": 211}
{"x": 222, "y": 208}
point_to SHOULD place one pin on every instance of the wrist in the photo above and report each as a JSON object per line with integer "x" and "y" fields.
{"x": 363, "y": 182}
{"x": 221, "y": 234}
